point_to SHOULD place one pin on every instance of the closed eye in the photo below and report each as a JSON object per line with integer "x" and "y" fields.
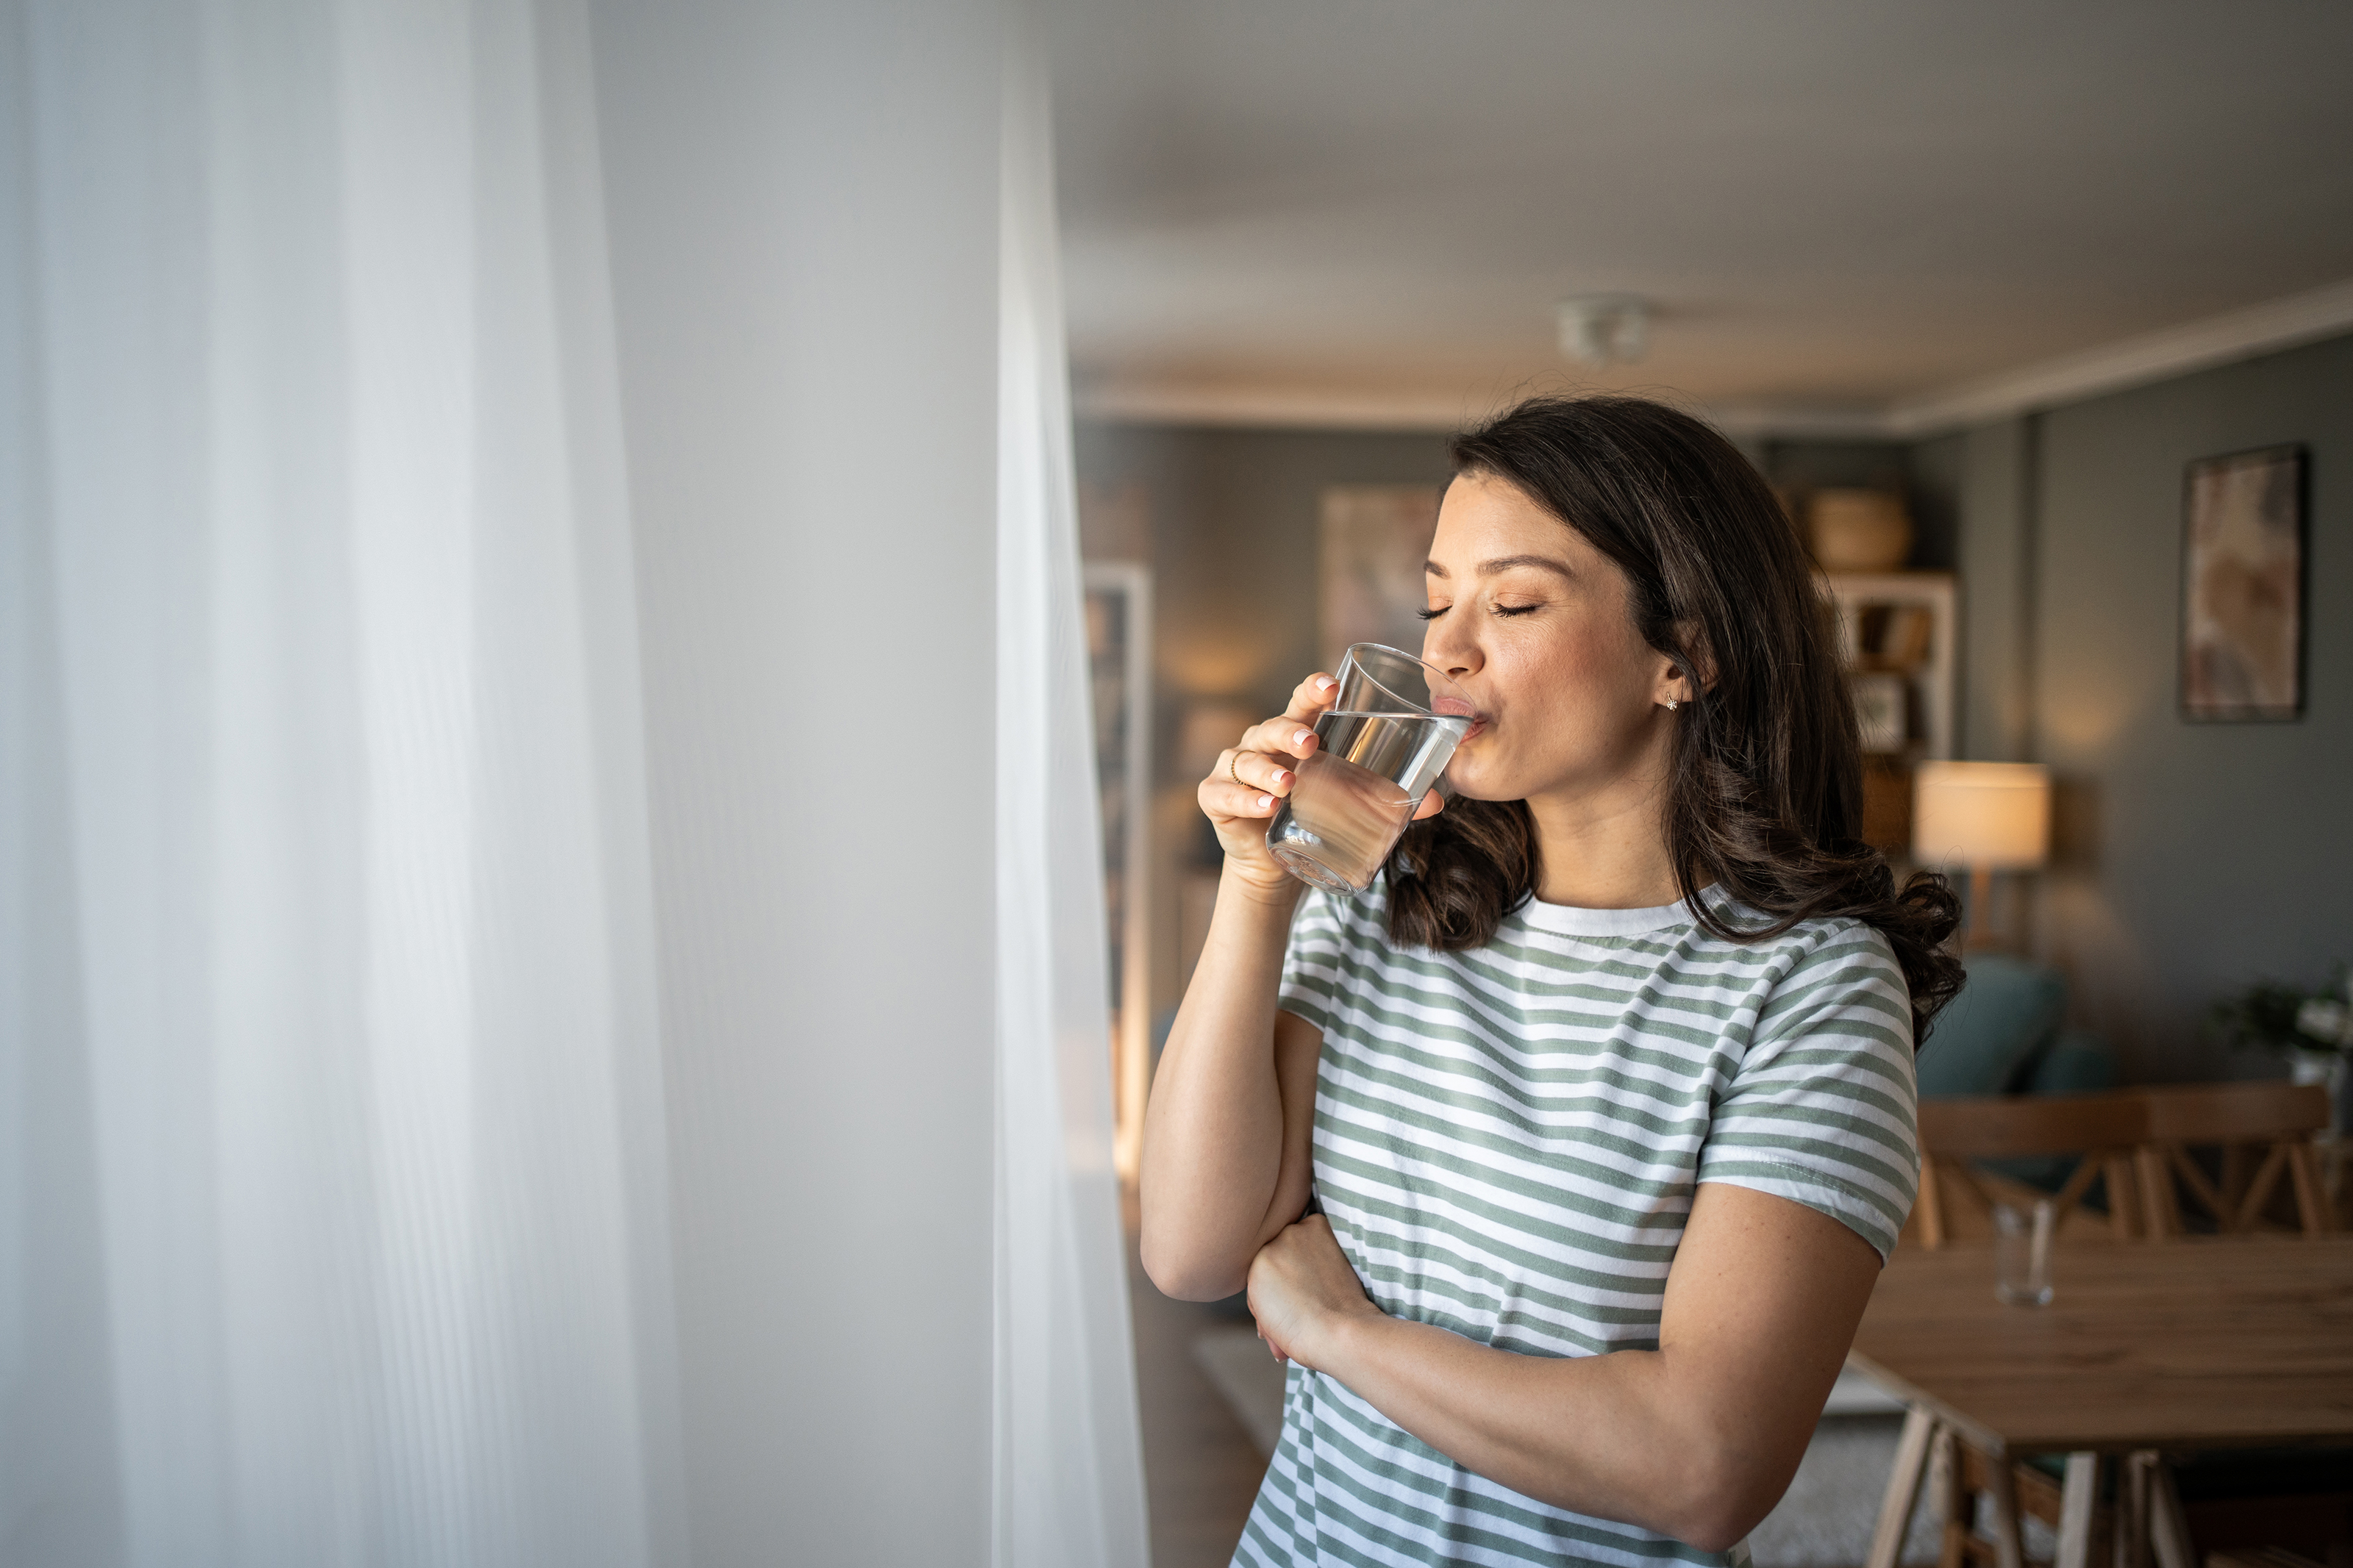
{"x": 1433, "y": 615}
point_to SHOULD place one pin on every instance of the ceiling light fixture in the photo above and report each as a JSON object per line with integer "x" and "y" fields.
{"x": 1597, "y": 329}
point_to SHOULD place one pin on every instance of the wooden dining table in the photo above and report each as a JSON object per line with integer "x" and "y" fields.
{"x": 2144, "y": 1348}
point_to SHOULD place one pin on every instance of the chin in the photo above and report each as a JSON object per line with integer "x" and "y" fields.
{"x": 1479, "y": 784}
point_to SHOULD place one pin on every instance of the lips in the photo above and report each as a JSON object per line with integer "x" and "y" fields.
{"x": 1454, "y": 707}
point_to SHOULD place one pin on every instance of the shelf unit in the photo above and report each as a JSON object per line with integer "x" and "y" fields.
{"x": 1899, "y": 628}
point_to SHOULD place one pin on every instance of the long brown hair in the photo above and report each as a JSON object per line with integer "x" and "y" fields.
{"x": 1764, "y": 796}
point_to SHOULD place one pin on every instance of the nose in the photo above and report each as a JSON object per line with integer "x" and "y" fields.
{"x": 1446, "y": 646}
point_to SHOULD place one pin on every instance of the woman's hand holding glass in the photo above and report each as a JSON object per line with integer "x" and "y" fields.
{"x": 1253, "y": 777}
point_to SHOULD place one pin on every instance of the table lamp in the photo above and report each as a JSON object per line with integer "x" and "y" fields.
{"x": 1988, "y": 816}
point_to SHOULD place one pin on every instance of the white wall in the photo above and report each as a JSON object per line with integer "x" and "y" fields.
{"x": 809, "y": 415}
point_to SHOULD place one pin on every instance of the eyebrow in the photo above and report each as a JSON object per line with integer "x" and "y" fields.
{"x": 1503, "y": 563}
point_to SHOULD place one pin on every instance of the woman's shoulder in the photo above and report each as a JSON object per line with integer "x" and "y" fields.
{"x": 1823, "y": 938}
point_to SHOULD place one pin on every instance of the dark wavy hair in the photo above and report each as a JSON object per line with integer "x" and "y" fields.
{"x": 1764, "y": 795}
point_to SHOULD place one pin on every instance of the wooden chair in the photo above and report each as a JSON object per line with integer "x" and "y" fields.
{"x": 2264, "y": 1131}
{"x": 2104, "y": 1129}
{"x": 2139, "y": 1141}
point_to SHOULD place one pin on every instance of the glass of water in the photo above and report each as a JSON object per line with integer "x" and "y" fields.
{"x": 2021, "y": 1253}
{"x": 1392, "y": 728}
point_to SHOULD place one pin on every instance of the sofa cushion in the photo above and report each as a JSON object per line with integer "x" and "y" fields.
{"x": 2008, "y": 1010}
{"x": 2078, "y": 1062}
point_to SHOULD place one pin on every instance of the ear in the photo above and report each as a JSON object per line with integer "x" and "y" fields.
{"x": 1672, "y": 685}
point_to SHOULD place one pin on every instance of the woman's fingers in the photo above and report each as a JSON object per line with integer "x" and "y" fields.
{"x": 1245, "y": 784}
{"x": 1285, "y": 736}
{"x": 1311, "y": 696}
{"x": 1221, "y": 799}
{"x": 1431, "y": 805}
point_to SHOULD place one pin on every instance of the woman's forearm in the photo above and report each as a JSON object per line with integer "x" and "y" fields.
{"x": 1602, "y": 1435}
{"x": 1213, "y": 1139}
{"x": 1696, "y": 1440}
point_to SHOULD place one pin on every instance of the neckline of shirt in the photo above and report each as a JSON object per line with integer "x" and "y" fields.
{"x": 1568, "y": 919}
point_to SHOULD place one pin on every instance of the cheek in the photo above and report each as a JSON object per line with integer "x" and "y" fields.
{"x": 1584, "y": 673}
{"x": 1571, "y": 701}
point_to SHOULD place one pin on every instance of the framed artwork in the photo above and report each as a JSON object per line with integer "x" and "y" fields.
{"x": 2243, "y": 594}
{"x": 1374, "y": 541}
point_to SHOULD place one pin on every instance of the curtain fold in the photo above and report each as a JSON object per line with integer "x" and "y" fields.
{"x": 1069, "y": 1458}
{"x": 326, "y": 1011}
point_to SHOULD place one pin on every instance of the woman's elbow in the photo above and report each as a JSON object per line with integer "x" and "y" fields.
{"x": 1729, "y": 1495}
{"x": 1718, "y": 1494}
{"x": 1186, "y": 1274}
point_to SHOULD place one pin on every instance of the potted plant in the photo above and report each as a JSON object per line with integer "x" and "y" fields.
{"x": 2314, "y": 1029}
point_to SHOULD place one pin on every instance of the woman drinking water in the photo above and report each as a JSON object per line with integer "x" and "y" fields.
{"x": 1560, "y": 1162}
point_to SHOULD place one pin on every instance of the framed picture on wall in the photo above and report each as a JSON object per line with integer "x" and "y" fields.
{"x": 1374, "y": 539}
{"x": 2242, "y": 596}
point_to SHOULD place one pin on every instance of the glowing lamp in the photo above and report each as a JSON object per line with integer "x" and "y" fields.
{"x": 1987, "y": 816}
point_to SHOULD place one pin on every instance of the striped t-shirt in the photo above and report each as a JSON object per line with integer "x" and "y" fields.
{"x": 1507, "y": 1143}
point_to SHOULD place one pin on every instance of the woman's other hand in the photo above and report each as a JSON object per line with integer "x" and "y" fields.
{"x": 1301, "y": 1287}
{"x": 1255, "y": 775}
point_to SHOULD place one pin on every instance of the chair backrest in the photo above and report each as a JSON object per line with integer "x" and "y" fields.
{"x": 1993, "y": 1126}
{"x": 2103, "y": 1129}
{"x": 2264, "y": 1131}
{"x": 2234, "y": 1112}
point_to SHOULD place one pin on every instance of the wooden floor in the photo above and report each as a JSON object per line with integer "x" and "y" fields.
{"x": 1200, "y": 1471}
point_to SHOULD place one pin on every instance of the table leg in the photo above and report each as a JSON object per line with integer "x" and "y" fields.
{"x": 2002, "y": 1486}
{"x": 1952, "y": 1499}
{"x": 2079, "y": 1500}
{"x": 2128, "y": 1528}
{"x": 1904, "y": 1490}
{"x": 2169, "y": 1530}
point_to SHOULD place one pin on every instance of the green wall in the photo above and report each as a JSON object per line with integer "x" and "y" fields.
{"x": 2191, "y": 857}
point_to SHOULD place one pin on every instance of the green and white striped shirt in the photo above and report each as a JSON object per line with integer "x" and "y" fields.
{"x": 1507, "y": 1141}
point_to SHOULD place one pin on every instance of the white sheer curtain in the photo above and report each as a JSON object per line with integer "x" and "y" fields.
{"x": 336, "y": 1215}
{"x": 330, "y": 1161}
{"x": 1069, "y": 1461}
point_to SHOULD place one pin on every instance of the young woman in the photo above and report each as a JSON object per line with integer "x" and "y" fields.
{"x": 1559, "y": 1164}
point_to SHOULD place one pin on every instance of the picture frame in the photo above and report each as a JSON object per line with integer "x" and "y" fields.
{"x": 2243, "y": 582}
{"x": 1372, "y": 541}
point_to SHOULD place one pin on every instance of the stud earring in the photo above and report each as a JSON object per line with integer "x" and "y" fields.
{"x": 1674, "y": 703}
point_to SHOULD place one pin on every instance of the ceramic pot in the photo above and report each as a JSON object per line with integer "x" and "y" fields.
{"x": 1858, "y": 530}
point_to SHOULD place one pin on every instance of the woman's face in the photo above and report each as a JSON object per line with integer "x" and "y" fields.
{"x": 1536, "y": 626}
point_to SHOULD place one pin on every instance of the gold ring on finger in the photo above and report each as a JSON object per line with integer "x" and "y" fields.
{"x": 1230, "y": 763}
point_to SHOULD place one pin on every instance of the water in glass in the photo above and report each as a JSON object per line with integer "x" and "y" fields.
{"x": 1357, "y": 791}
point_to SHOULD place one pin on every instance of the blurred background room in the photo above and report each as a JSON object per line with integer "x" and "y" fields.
{"x": 1978, "y": 290}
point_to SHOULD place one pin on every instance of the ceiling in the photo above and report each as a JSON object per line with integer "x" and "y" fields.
{"x": 1844, "y": 211}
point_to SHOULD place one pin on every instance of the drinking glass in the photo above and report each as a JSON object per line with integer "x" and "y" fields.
{"x": 1390, "y": 732}
{"x": 2021, "y": 1253}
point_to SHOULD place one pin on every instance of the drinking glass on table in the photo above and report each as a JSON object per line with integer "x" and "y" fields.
{"x": 2021, "y": 1253}
{"x": 1391, "y": 730}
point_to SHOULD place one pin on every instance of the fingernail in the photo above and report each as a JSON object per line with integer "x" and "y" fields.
{"x": 1325, "y": 682}
{"x": 1302, "y": 738}
{"x": 1283, "y": 775}
{"x": 1264, "y": 801}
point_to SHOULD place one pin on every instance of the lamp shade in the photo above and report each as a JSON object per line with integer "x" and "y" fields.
{"x": 1996, "y": 815}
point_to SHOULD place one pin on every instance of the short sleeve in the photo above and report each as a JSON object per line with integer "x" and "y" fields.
{"x": 1311, "y": 961}
{"x": 1823, "y": 1110}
